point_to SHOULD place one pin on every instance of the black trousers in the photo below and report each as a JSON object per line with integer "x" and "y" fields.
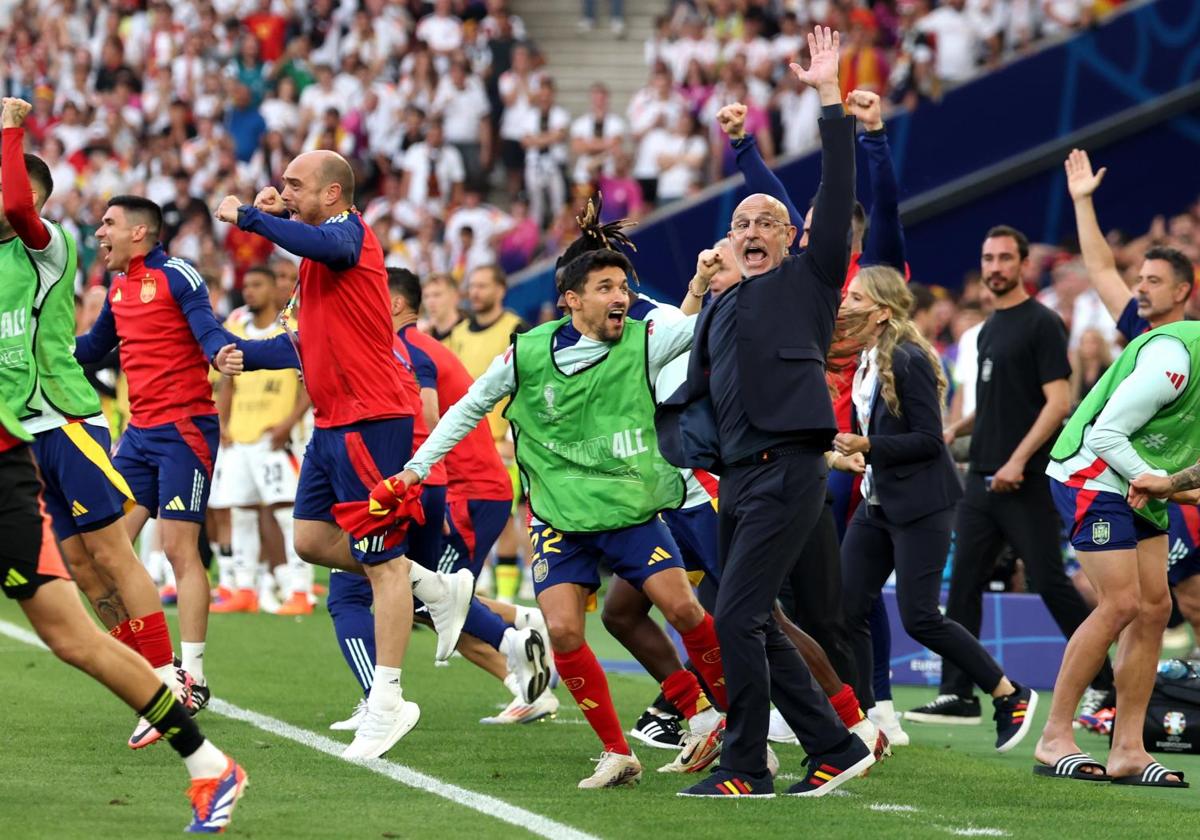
{"x": 917, "y": 551}
{"x": 767, "y": 510}
{"x": 812, "y": 593}
{"x": 1028, "y": 521}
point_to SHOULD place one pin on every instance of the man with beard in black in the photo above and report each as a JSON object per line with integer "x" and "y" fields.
{"x": 1022, "y": 399}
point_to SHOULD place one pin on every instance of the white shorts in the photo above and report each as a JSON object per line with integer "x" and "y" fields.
{"x": 253, "y": 474}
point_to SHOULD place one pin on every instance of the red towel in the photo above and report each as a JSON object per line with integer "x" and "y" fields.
{"x": 387, "y": 512}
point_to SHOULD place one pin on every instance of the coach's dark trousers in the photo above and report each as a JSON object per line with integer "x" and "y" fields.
{"x": 767, "y": 511}
{"x": 1028, "y": 521}
{"x": 812, "y": 593}
{"x": 916, "y": 550}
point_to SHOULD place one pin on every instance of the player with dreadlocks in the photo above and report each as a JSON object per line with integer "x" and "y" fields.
{"x": 582, "y": 412}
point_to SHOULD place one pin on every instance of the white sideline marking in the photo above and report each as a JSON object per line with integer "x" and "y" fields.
{"x": 893, "y": 809}
{"x": 487, "y": 805}
{"x": 977, "y": 832}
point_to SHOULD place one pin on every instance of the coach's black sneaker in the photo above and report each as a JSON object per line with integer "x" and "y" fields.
{"x": 1014, "y": 716}
{"x": 657, "y": 730}
{"x": 947, "y": 709}
{"x": 829, "y": 771}
{"x": 721, "y": 784}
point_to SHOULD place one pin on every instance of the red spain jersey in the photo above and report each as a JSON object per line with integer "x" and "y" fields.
{"x": 160, "y": 314}
{"x": 474, "y": 466}
{"x": 346, "y": 334}
{"x": 438, "y": 476}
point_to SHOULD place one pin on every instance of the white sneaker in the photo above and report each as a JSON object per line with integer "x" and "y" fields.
{"x": 351, "y": 723}
{"x": 779, "y": 731}
{"x": 883, "y": 715}
{"x": 613, "y": 770}
{"x": 518, "y": 711}
{"x": 450, "y": 611}
{"x": 379, "y": 731}
{"x": 873, "y": 738}
{"x": 526, "y": 653}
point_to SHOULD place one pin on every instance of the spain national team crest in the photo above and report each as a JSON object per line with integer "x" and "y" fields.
{"x": 540, "y": 569}
{"x": 149, "y": 289}
{"x": 1101, "y": 532}
{"x": 1174, "y": 723}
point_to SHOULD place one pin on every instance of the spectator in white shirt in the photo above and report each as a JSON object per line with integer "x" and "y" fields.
{"x": 462, "y": 104}
{"x": 956, "y": 41}
{"x": 752, "y": 46}
{"x": 680, "y": 154}
{"x": 280, "y": 110}
{"x": 488, "y": 223}
{"x": 658, "y": 46}
{"x": 694, "y": 43}
{"x": 596, "y": 137}
{"x": 545, "y": 142}
{"x": 320, "y": 96}
{"x": 442, "y": 31}
{"x": 516, "y": 85}
{"x": 433, "y": 172}
{"x": 1061, "y": 16}
{"x": 799, "y": 108}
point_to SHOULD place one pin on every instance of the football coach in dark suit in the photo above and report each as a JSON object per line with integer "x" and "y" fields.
{"x": 755, "y": 409}
{"x": 909, "y": 493}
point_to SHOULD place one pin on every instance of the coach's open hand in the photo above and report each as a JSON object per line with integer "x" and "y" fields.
{"x": 229, "y": 360}
{"x": 14, "y": 112}
{"x": 822, "y": 72}
{"x": 732, "y": 119}
{"x": 270, "y": 201}
{"x": 227, "y": 210}
{"x": 1081, "y": 181}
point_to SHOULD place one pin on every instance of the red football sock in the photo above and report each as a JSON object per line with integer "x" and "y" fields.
{"x": 153, "y": 639}
{"x": 846, "y": 704}
{"x": 124, "y": 635}
{"x": 584, "y": 678}
{"x": 705, "y": 652}
{"x": 683, "y": 690}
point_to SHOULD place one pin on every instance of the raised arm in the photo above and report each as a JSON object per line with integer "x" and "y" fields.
{"x": 1082, "y": 183}
{"x": 759, "y": 177}
{"x": 19, "y": 206}
{"x": 884, "y": 243}
{"x": 496, "y": 383}
{"x": 829, "y": 237}
{"x": 337, "y": 242}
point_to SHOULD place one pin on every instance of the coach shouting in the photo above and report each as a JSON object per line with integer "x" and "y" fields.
{"x": 755, "y": 408}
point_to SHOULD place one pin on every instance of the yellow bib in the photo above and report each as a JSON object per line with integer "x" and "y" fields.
{"x": 262, "y": 399}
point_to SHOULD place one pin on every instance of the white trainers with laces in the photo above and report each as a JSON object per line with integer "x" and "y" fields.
{"x": 613, "y": 770}
{"x": 351, "y": 723}
{"x": 449, "y": 612}
{"x": 380, "y": 730}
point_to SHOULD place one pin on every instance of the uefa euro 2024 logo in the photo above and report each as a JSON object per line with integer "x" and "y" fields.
{"x": 1174, "y": 723}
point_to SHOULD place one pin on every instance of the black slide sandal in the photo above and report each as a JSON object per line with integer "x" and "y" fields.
{"x": 1072, "y": 767}
{"x": 1153, "y": 775}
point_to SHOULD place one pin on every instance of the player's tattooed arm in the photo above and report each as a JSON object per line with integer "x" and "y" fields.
{"x": 1188, "y": 479}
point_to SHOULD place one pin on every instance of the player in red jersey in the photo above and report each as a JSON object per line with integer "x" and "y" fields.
{"x": 364, "y": 424}
{"x": 158, "y": 311}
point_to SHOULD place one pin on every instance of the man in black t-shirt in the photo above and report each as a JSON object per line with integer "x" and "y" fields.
{"x": 1022, "y": 397}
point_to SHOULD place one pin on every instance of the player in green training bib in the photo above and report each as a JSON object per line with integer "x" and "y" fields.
{"x": 45, "y": 387}
{"x": 1137, "y": 424}
{"x": 583, "y": 418}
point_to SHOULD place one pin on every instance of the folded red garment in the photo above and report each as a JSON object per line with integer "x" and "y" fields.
{"x": 385, "y": 513}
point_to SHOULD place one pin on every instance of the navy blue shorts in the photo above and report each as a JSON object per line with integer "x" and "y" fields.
{"x": 425, "y": 541}
{"x": 475, "y": 525}
{"x": 1183, "y": 535}
{"x": 695, "y": 531}
{"x": 633, "y": 553}
{"x": 169, "y": 467}
{"x": 83, "y": 490}
{"x": 1098, "y": 520}
{"x": 344, "y": 465}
